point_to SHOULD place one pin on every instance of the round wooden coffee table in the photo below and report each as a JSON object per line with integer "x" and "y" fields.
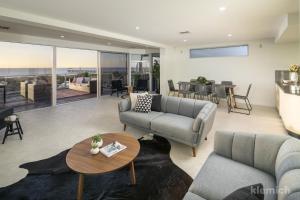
{"x": 80, "y": 160}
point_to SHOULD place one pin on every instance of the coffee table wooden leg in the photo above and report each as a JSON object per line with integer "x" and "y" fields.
{"x": 80, "y": 187}
{"x": 132, "y": 173}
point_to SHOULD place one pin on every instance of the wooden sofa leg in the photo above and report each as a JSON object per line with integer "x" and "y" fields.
{"x": 205, "y": 138}
{"x": 125, "y": 126}
{"x": 194, "y": 151}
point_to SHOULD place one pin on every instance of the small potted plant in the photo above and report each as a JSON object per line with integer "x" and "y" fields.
{"x": 95, "y": 149}
{"x": 97, "y": 140}
{"x": 294, "y": 72}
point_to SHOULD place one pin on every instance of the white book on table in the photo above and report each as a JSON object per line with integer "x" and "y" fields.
{"x": 112, "y": 148}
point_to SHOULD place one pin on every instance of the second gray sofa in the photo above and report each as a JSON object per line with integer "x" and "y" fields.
{"x": 241, "y": 159}
{"x": 187, "y": 121}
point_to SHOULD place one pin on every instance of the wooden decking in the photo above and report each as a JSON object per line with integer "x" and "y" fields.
{"x": 20, "y": 103}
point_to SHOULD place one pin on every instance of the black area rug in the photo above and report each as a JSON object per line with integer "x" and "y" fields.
{"x": 158, "y": 178}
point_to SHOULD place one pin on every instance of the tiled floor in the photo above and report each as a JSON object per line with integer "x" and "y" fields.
{"x": 49, "y": 131}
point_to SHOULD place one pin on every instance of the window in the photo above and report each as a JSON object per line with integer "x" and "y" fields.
{"x": 220, "y": 52}
{"x": 113, "y": 72}
{"x": 140, "y": 71}
{"x": 25, "y": 75}
{"x": 76, "y": 74}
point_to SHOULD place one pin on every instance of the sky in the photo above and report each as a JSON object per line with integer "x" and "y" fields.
{"x": 17, "y": 55}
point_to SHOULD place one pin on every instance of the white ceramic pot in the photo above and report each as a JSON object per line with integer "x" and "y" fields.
{"x": 99, "y": 144}
{"x": 94, "y": 150}
{"x": 294, "y": 76}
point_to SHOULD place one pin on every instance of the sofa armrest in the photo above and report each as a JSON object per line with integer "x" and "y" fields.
{"x": 204, "y": 121}
{"x": 124, "y": 105}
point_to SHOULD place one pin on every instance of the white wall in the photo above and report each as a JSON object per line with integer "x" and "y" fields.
{"x": 258, "y": 68}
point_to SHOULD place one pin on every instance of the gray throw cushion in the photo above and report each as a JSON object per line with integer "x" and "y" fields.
{"x": 175, "y": 126}
{"x": 138, "y": 119}
{"x": 221, "y": 176}
{"x": 156, "y": 102}
{"x": 251, "y": 192}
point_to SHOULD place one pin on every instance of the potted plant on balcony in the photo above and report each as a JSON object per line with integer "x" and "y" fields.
{"x": 294, "y": 72}
{"x": 97, "y": 141}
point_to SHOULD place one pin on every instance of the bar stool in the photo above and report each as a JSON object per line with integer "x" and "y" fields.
{"x": 11, "y": 121}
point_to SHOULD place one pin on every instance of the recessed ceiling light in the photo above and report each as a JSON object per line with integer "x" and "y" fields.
{"x": 229, "y": 35}
{"x": 185, "y": 40}
{"x": 222, "y": 8}
{"x": 62, "y": 36}
{"x": 137, "y": 28}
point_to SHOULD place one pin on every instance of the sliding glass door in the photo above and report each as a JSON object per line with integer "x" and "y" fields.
{"x": 140, "y": 71}
{"x": 113, "y": 73}
{"x": 25, "y": 75}
{"x": 76, "y": 74}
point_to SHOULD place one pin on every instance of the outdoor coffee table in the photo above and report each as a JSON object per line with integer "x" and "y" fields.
{"x": 80, "y": 160}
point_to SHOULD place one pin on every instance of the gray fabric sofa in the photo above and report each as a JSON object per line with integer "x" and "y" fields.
{"x": 241, "y": 159}
{"x": 187, "y": 121}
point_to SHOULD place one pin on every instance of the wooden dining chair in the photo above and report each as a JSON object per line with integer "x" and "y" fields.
{"x": 171, "y": 87}
{"x": 247, "y": 102}
{"x": 202, "y": 91}
{"x": 227, "y": 83}
{"x": 184, "y": 89}
{"x": 220, "y": 93}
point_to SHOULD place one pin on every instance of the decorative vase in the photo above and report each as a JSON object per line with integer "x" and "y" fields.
{"x": 294, "y": 76}
{"x": 99, "y": 144}
{"x": 94, "y": 150}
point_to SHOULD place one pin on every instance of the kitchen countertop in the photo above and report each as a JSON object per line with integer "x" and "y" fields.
{"x": 287, "y": 88}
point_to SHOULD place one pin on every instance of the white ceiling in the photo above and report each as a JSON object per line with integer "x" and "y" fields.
{"x": 161, "y": 20}
{"x": 26, "y": 29}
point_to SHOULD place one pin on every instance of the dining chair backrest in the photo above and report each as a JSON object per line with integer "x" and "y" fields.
{"x": 201, "y": 89}
{"x": 248, "y": 91}
{"x": 171, "y": 85}
{"x": 192, "y": 86}
{"x": 220, "y": 91}
{"x": 184, "y": 86}
{"x": 226, "y": 83}
{"x": 212, "y": 86}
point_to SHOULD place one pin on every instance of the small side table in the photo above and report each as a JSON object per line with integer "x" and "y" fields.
{"x": 11, "y": 121}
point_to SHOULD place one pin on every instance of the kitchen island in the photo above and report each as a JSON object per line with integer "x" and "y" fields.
{"x": 288, "y": 105}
